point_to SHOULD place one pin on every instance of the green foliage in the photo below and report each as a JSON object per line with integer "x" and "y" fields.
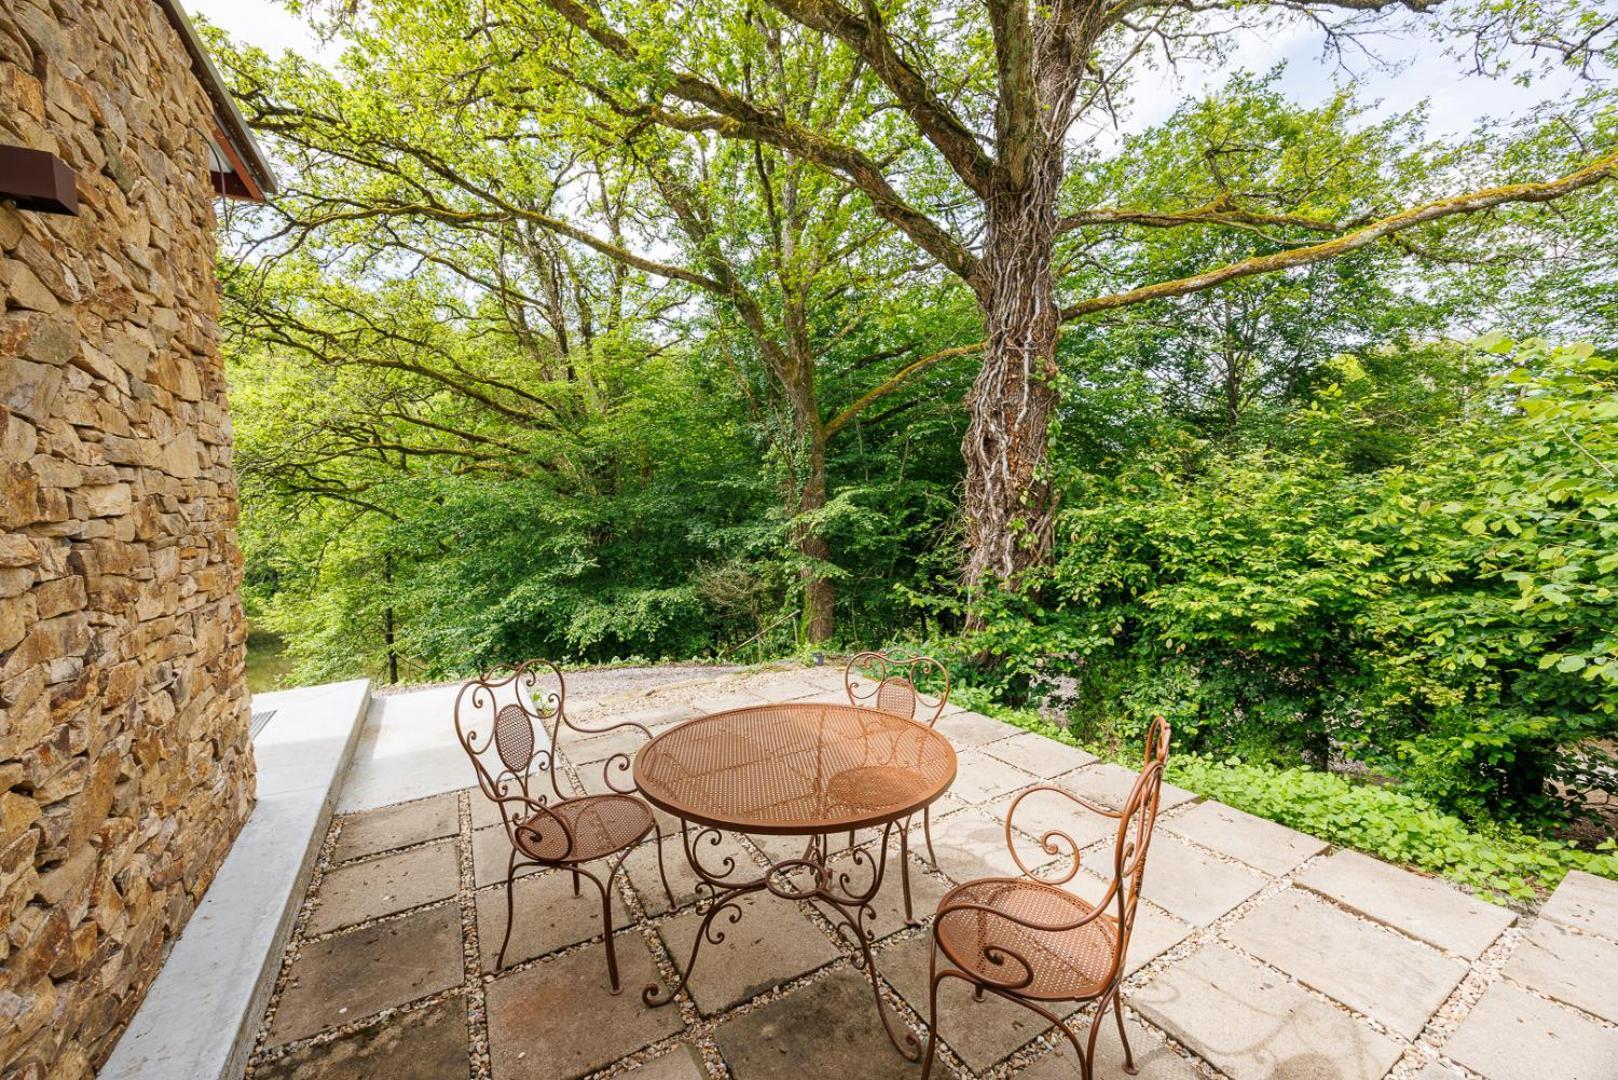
{"x": 1446, "y": 619}
{"x": 1394, "y": 824}
{"x": 536, "y": 355}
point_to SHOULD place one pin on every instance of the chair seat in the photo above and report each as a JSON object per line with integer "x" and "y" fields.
{"x": 1065, "y": 964}
{"x": 600, "y": 824}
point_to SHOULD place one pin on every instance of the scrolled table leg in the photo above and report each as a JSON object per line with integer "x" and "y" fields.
{"x": 855, "y": 909}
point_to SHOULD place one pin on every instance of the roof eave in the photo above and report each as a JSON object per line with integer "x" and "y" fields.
{"x": 257, "y": 179}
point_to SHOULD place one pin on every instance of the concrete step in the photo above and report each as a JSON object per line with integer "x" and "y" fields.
{"x": 199, "y": 1018}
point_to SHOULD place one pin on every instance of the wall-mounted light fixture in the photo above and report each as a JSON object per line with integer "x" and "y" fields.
{"x": 37, "y": 180}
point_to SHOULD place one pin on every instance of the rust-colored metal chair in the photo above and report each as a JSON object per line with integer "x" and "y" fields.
{"x": 880, "y": 681}
{"x": 1031, "y": 941}
{"x": 499, "y": 719}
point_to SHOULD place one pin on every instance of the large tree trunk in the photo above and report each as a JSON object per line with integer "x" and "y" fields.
{"x": 1009, "y": 502}
{"x": 808, "y": 479}
{"x": 819, "y": 593}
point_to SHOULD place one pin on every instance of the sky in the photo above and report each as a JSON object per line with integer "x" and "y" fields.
{"x": 1457, "y": 101}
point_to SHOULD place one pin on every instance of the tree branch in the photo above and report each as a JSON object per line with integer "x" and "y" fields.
{"x": 735, "y": 117}
{"x": 868, "y": 38}
{"x": 1474, "y": 202}
{"x": 895, "y": 381}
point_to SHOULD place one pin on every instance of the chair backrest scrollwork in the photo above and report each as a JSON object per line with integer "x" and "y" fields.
{"x": 1137, "y": 821}
{"x": 917, "y": 687}
{"x": 507, "y": 720}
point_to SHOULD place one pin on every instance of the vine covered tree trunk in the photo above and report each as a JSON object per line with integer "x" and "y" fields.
{"x": 819, "y": 593}
{"x": 808, "y": 480}
{"x": 1009, "y": 502}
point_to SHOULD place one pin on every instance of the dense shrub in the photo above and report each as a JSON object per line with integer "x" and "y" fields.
{"x": 1448, "y": 617}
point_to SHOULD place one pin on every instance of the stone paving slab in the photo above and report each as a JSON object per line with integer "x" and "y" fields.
{"x": 1423, "y": 907}
{"x": 390, "y": 827}
{"x": 795, "y": 687}
{"x": 486, "y": 812}
{"x": 1110, "y": 786}
{"x": 1155, "y": 932}
{"x": 1513, "y": 1035}
{"x": 1578, "y": 969}
{"x": 1435, "y": 1071}
{"x": 1253, "y": 1024}
{"x": 827, "y": 1029}
{"x": 1154, "y": 1059}
{"x": 980, "y": 1032}
{"x": 970, "y": 845}
{"x": 980, "y": 778}
{"x": 731, "y": 698}
{"x": 386, "y": 885}
{"x": 1034, "y": 753}
{"x": 559, "y": 1019}
{"x": 1375, "y": 971}
{"x": 969, "y": 729}
{"x": 1263, "y": 845}
{"x": 548, "y": 917}
{"x": 681, "y": 1063}
{"x": 1190, "y": 883}
{"x": 350, "y": 976}
{"x": 1585, "y": 902}
{"x": 771, "y": 942}
{"x": 426, "y": 1044}
{"x": 653, "y": 717}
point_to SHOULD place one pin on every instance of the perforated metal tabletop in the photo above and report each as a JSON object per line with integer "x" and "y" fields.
{"x": 795, "y": 769}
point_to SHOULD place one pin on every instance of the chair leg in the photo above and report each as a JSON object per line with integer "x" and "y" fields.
{"x": 606, "y": 924}
{"x": 933, "y": 979}
{"x": 511, "y": 873}
{"x": 606, "y": 888}
{"x": 904, "y": 875}
{"x": 927, "y": 831}
{"x": 1118, "y": 1014}
{"x": 668, "y": 892}
{"x": 575, "y": 883}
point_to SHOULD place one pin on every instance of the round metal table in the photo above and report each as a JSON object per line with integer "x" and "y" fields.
{"x": 810, "y": 770}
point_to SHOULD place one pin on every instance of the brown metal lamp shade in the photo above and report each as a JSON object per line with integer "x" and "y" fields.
{"x": 38, "y": 180}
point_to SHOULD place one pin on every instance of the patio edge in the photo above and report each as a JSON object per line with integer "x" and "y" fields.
{"x": 202, "y": 1013}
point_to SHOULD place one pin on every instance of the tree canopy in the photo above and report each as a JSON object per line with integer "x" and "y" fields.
{"x": 679, "y": 330}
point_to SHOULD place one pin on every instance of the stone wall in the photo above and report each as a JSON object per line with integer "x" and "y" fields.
{"x": 125, "y": 763}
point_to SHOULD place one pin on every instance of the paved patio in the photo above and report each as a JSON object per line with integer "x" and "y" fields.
{"x": 1260, "y": 952}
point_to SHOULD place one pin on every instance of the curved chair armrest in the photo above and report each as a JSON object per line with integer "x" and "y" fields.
{"x": 618, "y": 762}
{"x": 1048, "y": 840}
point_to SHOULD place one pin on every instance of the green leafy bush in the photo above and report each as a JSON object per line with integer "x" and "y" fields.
{"x": 1447, "y": 619}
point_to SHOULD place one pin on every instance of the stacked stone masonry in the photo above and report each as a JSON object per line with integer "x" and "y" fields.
{"x": 125, "y": 763}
